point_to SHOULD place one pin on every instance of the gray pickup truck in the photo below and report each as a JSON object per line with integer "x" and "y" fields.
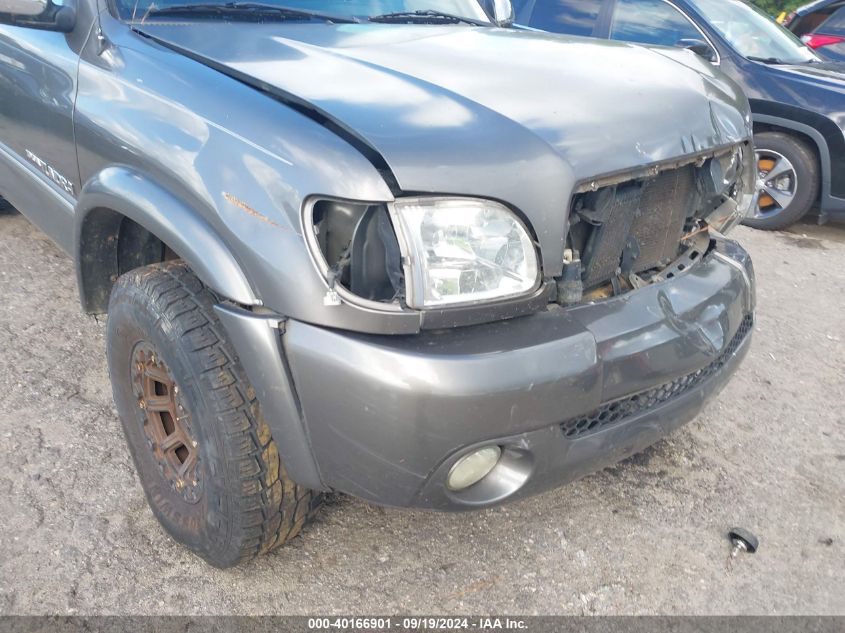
{"x": 390, "y": 248}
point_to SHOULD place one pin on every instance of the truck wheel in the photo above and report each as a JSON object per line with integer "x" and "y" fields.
{"x": 789, "y": 174}
{"x": 206, "y": 459}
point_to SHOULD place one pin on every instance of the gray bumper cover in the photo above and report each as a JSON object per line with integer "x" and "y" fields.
{"x": 385, "y": 417}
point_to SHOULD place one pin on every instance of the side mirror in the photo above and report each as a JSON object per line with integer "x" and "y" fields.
{"x": 45, "y": 15}
{"x": 699, "y": 47}
{"x": 500, "y": 11}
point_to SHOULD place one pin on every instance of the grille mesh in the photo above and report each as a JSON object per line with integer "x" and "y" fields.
{"x": 650, "y": 214}
{"x": 666, "y": 202}
{"x": 620, "y": 410}
{"x": 608, "y": 239}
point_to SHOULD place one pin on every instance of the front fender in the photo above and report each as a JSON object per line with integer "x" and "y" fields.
{"x": 121, "y": 191}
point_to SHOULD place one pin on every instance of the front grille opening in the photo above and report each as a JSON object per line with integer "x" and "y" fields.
{"x": 632, "y": 227}
{"x": 619, "y": 411}
{"x": 627, "y": 231}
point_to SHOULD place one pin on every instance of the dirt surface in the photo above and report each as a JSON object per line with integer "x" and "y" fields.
{"x": 647, "y": 536}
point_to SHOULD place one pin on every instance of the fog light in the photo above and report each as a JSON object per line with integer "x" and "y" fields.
{"x": 472, "y": 468}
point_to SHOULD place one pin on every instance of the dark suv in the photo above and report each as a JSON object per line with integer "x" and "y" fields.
{"x": 798, "y": 102}
{"x": 387, "y": 248}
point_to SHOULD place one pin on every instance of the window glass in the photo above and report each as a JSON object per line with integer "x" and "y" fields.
{"x": 753, "y": 33}
{"x": 651, "y": 22}
{"x": 519, "y": 8}
{"x": 573, "y": 17}
{"x": 810, "y": 23}
{"x": 135, "y": 9}
{"x": 836, "y": 24}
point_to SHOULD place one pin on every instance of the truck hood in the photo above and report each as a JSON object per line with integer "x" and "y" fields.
{"x": 499, "y": 113}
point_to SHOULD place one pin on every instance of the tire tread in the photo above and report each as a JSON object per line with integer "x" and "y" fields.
{"x": 267, "y": 507}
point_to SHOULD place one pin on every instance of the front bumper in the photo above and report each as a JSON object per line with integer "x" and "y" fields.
{"x": 385, "y": 417}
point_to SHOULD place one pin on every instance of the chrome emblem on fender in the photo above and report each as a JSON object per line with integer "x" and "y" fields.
{"x": 51, "y": 173}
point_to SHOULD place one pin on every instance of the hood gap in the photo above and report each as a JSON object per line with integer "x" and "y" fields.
{"x": 305, "y": 108}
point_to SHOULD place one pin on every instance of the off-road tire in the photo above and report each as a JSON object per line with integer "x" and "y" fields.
{"x": 243, "y": 503}
{"x": 806, "y": 165}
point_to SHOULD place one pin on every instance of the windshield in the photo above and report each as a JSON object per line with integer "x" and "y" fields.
{"x": 352, "y": 10}
{"x": 752, "y": 33}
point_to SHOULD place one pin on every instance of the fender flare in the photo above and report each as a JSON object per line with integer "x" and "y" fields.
{"x": 812, "y": 133}
{"x": 122, "y": 191}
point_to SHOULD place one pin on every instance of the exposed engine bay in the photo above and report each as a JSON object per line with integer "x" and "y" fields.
{"x": 626, "y": 232}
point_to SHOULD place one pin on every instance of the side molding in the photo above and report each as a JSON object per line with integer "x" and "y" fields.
{"x": 121, "y": 192}
{"x": 36, "y": 197}
{"x": 257, "y": 340}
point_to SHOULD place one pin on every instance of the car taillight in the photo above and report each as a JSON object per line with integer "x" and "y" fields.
{"x": 814, "y": 40}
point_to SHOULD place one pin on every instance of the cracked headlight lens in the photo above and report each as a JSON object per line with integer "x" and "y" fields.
{"x": 463, "y": 251}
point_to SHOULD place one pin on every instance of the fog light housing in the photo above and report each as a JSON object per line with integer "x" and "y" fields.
{"x": 473, "y": 467}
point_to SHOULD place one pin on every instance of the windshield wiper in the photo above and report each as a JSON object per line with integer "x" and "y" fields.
{"x": 253, "y": 8}
{"x": 774, "y": 61}
{"x": 427, "y": 16}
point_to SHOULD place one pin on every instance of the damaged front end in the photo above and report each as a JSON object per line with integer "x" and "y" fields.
{"x": 630, "y": 230}
{"x": 547, "y": 398}
{"x": 477, "y": 260}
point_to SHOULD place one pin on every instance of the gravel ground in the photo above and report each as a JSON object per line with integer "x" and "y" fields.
{"x": 647, "y": 536}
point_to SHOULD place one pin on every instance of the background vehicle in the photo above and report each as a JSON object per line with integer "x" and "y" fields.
{"x": 388, "y": 250}
{"x": 798, "y": 102}
{"x": 821, "y": 26}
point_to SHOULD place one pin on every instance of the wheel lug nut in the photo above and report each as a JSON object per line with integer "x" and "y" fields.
{"x": 142, "y": 403}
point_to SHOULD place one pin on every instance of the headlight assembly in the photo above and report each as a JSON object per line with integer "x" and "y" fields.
{"x": 356, "y": 250}
{"x": 463, "y": 251}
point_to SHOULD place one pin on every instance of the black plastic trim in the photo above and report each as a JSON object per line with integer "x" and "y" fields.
{"x": 833, "y": 136}
{"x": 488, "y": 313}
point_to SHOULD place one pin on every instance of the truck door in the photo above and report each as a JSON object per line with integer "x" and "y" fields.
{"x": 38, "y": 70}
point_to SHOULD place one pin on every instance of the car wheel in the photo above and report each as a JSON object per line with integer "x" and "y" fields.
{"x": 788, "y": 181}
{"x": 208, "y": 464}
